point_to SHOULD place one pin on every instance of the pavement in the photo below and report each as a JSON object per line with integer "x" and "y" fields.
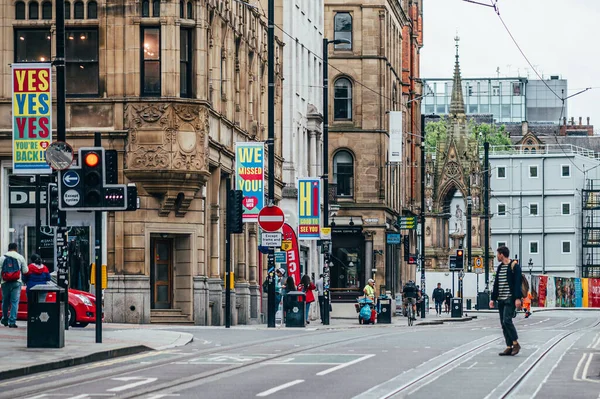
{"x": 80, "y": 347}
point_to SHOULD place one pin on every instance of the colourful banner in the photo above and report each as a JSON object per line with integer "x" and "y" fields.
{"x": 594, "y": 292}
{"x": 249, "y": 177}
{"x": 550, "y": 292}
{"x": 534, "y": 288}
{"x": 565, "y": 292}
{"x": 309, "y": 209}
{"x": 542, "y": 290}
{"x": 585, "y": 292}
{"x": 293, "y": 253}
{"x": 32, "y": 117}
{"x": 578, "y": 292}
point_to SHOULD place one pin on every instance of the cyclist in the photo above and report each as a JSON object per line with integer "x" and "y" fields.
{"x": 410, "y": 293}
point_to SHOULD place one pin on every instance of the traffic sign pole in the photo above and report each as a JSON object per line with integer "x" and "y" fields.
{"x": 271, "y": 219}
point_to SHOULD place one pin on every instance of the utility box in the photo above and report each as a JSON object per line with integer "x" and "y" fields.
{"x": 384, "y": 304}
{"x": 457, "y": 307}
{"x": 483, "y": 301}
{"x": 295, "y": 309}
{"x": 46, "y": 317}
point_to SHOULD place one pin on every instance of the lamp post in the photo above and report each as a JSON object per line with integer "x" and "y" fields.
{"x": 326, "y": 295}
{"x": 530, "y": 264}
{"x": 486, "y": 212}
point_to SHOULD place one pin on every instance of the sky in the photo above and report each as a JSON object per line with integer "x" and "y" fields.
{"x": 559, "y": 37}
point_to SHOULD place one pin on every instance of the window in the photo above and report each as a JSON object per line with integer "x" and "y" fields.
{"x": 185, "y": 77}
{"x": 516, "y": 88}
{"x": 32, "y": 45}
{"x": 495, "y": 90}
{"x": 565, "y": 170}
{"x": 501, "y": 172}
{"x": 342, "y": 99}
{"x": 181, "y": 7}
{"x": 78, "y": 10}
{"x": 145, "y": 8}
{"x": 343, "y": 30}
{"x": 20, "y": 10}
{"x": 151, "y": 62}
{"x": 46, "y": 10}
{"x": 500, "y": 244}
{"x": 501, "y": 210}
{"x": 190, "y": 10}
{"x": 533, "y": 171}
{"x": 81, "y": 50}
{"x": 34, "y": 10}
{"x": 533, "y": 209}
{"x": 343, "y": 173}
{"x": 533, "y": 247}
{"x": 565, "y": 247}
{"x": 156, "y": 8}
{"x": 92, "y": 10}
{"x": 67, "y": 10}
{"x": 565, "y": 208}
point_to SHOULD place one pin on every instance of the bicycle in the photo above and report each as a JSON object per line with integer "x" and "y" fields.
{"x": 410, "y": 313}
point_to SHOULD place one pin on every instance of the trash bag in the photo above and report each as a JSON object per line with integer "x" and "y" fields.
{"x": 365, "y": 312}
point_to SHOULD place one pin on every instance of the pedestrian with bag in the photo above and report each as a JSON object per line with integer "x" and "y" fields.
{"x": 438, "y": 296}
{"x": 13, "y": 268}
{"x": 507, "y": 292}
{"x": 307, "y": 287}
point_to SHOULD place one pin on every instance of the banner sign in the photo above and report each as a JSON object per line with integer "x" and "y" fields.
{"x": 393, "y": 238}
{"x": 293, "y": 254}
{"x": 578, "y": 292}
{"x": 550, "y": 292}
{"x": 594, "y": 292}
{"x": 542, "y": 291}
{"x": 249, "y": 177}
{"x": 32, "y": 117}
{"x": 309, "y": 209}
{"x": 396, "y": 138}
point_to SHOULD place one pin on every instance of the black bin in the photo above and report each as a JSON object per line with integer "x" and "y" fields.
{"x": 384, "y": 305}
{"x": 46, "y": 317}
{"x": 483, "y": 301}
{"x": 295, "y": 309}
{"x": 457, "y": 307}
{"x": 469, "y": 301}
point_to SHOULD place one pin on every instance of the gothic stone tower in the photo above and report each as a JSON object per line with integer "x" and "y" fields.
{"x": 455, "y": 167}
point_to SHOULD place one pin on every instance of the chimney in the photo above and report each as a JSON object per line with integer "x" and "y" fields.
{"x": 588, "y": 120}
{"x": 524, "y": 128}
{"x": 580, "y": 118}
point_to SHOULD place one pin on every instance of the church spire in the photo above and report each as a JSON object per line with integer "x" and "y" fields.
{"x": 457, "y": 105}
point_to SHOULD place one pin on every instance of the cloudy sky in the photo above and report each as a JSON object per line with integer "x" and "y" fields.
{"x": 559, "y": 37}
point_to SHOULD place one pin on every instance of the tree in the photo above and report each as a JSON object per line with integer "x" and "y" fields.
{"x": 496, "y": 135}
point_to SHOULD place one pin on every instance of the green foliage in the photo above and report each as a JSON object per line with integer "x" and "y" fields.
{"x": 496, "y": 135}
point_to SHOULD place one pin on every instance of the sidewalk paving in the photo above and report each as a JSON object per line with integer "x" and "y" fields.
{"x": 80, "y": 348}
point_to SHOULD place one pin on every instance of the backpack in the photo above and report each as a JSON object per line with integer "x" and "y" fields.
{"x": 11, "y": 270}
{"x": 524, "y": 282}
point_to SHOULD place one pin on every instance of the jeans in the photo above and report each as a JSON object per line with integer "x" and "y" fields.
{"x": 11, "y": 293}
{"x": 307, "y": 309}
{"x": 438, "y": 306}
{"x": 507, "y": 309}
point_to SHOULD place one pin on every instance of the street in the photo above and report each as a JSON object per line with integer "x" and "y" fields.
{"x": 560, "y": 357}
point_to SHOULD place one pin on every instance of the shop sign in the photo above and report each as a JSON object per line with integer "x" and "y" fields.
{"x": 24, "y": 197}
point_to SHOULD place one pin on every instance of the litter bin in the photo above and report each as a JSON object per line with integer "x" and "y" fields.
{"x": 384, "y": 304}
{"x": 483, "y": 300}
{"x": 295, "y": 309}
{"x": 46, "y": 317}
{"x": 469, "y": 304}
{"x": 457, "y": 307}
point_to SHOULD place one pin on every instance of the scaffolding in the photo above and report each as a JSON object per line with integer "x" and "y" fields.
{"x": 590, "y": 251}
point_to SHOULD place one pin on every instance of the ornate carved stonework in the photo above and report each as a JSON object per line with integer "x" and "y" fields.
{"x": 167, "y": 151}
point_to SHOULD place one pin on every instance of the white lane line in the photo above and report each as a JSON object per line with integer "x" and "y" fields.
{"x": 471, "y": 366}
{"x": 585, "y": 370}
{"x": 162, "y": 395}
{"x": 279, "y": 388}
{"x": 139, "y": 381}
{"x": 576, "y": 372}
{"x": 341, "y": 366}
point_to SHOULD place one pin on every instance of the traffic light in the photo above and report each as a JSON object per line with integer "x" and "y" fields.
{"x": 235, "y": 211}
{"x": 459, "y": 258}
{"x": 406, "y": 243}
{"x": 52, "y": 211}
{"x": 132, "y": 198}
{"x": 111, "y": 167}
{"x": 92, "y": 177}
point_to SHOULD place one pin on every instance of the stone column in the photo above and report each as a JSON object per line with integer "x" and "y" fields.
{"x": 312, "y": 145}
{"x": 254, "y": 282}
{"x": 242, "y": 287}
{"x": 215, "y": 287}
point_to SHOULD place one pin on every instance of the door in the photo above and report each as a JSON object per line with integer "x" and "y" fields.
{"x": 161, "y": 275}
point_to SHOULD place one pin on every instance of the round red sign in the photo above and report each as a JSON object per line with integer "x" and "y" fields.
{"x": 271, "y": 219}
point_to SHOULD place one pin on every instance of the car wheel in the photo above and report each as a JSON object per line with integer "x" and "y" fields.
{"x": 82, "y": 325}
{"x": 72, "y": 316}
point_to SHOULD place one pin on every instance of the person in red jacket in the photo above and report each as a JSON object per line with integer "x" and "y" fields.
{"x": 38, "y": 273}
{"x": 307, "y": 287}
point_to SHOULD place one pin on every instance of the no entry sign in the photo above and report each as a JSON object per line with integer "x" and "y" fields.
{"x": 271, "y": 218}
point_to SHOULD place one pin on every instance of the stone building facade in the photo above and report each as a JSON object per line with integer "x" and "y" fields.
{"x": 375, "y": 73}
{"x": 172, "y": 86}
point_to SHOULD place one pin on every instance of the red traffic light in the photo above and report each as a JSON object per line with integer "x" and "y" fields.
{"x": 91, "y": 159}
{"x": 459, "y": 252}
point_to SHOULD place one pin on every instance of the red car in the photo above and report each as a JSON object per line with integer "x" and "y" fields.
{"x": 82, "y": 307}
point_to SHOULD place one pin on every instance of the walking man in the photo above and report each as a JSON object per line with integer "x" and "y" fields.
{"x": 320, "y": 291}
{"x": 13, "y": 268}
{"x": 507, "y": 291}
{"x": 438, "y": 296}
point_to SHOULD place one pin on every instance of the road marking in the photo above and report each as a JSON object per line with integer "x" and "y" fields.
{"x": 140, "y": 381}
{"x": 576, "y": 372}
{"x": 279, "y": 388}
{"x": 341, "y": 366}
{"x": 471, "y": 366}
{"x": 595, "y": 342}
{"x": 89, "y": 395}
{"x": 162, "y": 395}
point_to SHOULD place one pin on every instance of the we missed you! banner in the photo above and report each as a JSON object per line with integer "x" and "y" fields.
{"x": 249, "y": 177}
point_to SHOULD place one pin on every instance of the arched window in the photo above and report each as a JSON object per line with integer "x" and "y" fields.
{"x": 92, "y": 10}
{"x": 190, "y": 10}
{"x": 156, "y": 8}
{"x": 181, "y": 9}
{"x": 46, "y": 10}
{"x": 343, "y": 173}
{"x": 20, "y": 10}
{"x": 34, "y": 10}
{"x": 67, "y": 10}
{"x": 145, "y": 8}
{"x": 343, "y": 30}
{"x": 342, "y": 99}
{"x": 78, "y": 10}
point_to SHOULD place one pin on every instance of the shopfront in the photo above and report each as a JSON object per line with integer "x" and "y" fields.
{"x": 348, "y": 274}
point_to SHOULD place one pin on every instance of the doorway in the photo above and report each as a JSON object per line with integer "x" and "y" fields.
{"x": 161, "y": 273}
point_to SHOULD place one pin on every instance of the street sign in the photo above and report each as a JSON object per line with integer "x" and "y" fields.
{"x": 71, "y": 197}
{"x": 71, "y": 178}
{"x": 271, "y": 239}
{"x": 393, "y": 238}
{"x": 59, "y": 155}
{"x": 280, "y": 257}
{"x": 286, "y": 245}
{"x": 325, "y": 233}
{"x": 478, "y": 265}
{"x": 407, "y": 222}
{"x": 271, "y": 219}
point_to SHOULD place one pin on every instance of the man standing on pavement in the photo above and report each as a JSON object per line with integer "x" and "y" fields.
{"x": 507, "y": 291}
{"x": 13, "y": 268}
{"x": 320, "y": 291}
{"x": 438, "y": 296}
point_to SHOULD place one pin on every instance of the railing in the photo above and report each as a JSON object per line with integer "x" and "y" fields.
{"x": 544, "y": 149}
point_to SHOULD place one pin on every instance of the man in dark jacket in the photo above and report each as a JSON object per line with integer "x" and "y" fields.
{"x": 507, "y": 291}
{"x": 438, "y": 296}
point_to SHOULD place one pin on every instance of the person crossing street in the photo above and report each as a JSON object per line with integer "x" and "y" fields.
{"x": 438, "y": 296}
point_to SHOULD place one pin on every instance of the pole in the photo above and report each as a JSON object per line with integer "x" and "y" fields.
{"x": 38, "y": 213}
{"x": 469, "y": 228}
{"x": 98, "y": 239}
{"x": 422, "y": 256}
{"x": 271, "y": 149}
{"x": 228, "y": 258}
{"x": 486, "y": 212}
{"x": 521, "y": 212}
{"x": 61, "y": 92}
{"x": 326, "y": 282}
